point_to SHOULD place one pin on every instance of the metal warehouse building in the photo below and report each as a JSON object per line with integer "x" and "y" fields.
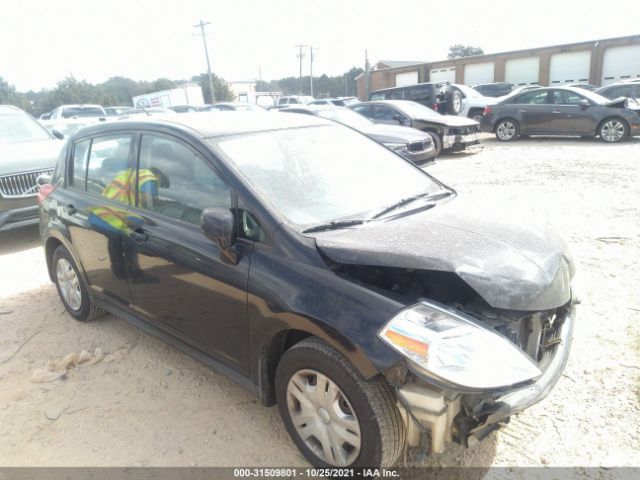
{"x": 598, "y": 62}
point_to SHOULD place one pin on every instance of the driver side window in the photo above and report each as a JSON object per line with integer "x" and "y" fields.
{"x": 174, "y": 181}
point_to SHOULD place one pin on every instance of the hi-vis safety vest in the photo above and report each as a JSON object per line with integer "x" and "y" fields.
{"x": 122, "y": 189}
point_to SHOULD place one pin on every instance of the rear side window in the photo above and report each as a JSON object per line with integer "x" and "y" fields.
{"x": 79, "y": 171}
{"x": 419, "y": 94}
{"x": 174, "y": 181}
{"x": 377, "y": 96}
{"x": 534, "y": 98}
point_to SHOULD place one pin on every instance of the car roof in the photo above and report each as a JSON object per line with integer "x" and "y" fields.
{"x": 213, "y": 124}
{"x": 81, "y": 105}
{"x": 7, "y": 108}
{"x": 393, "y": 103}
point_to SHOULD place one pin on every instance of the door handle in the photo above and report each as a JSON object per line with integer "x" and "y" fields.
{"x": 556, "y": 111}
{"x": 522, "y": 111}
{"x": 71, "y": 210}
{"x": 138, "y": 235}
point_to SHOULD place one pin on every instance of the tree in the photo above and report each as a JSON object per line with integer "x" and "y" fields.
{"x": 221, "y": 88}
{"x": 458, "y": 51}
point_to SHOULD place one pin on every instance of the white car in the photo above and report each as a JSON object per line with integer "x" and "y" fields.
{"x": 467, "y": 102}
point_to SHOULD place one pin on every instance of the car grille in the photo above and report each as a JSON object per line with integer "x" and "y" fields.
{"x": 416, "y": 146}
{"x": 21, "y": 185}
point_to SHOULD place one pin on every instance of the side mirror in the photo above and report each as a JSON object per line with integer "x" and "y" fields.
{"x": 43, "y": 179}
{"x": 399, "y": 118}
{"x": 584, "y": 103}
{"x": 219, "y": 225}
{"x": 58, "y": 134}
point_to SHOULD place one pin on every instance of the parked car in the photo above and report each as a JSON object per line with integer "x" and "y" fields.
{"x": 495, "y": 89}
{"x": 338, "y": 101}
{"x": 183, "y": 108}
{"x": 562, "y": 111}
{"x": 468, "y": 102}
{"x": 585, "y": 86}
{"x": 26, "y": 150}
{"x": 77, "y": 111}
{"x": 371, "y": 293}
{"x": 627, "y": 89}
{"x": 117, "y": 110}
{"x": 229, "y": 106}
{"x": 449, "y": 132}
{"x": 412, "y": 144}
{"x": 295, "y": 100}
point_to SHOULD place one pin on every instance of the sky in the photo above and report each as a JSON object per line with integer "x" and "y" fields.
{"x": 42, "y": 42}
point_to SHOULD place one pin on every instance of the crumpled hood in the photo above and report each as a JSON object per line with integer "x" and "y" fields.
{"x": 394, "y": 133}
{"x": 27, "y": 156}
{"x": 623, "y": 102}
{"x": 510, "y": 267}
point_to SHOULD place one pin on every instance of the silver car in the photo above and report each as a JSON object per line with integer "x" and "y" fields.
{"x": 27, "y": 150}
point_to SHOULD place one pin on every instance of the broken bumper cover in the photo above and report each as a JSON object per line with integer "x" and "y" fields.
{"x": 515, "y": 401}
{"x": 460, "y": 141}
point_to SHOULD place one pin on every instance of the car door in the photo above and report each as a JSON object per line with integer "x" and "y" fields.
{"x": 389, "y": 116}
{"x": 570, "y": 117}
{"x": 179, "y": 280}
{"x": 94, "y": 218}
{"x": 533, "y": 112}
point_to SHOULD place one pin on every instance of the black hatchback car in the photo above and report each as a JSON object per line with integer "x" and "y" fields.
{"x": 564, "y": 111}
{"x": 315, "y": 267}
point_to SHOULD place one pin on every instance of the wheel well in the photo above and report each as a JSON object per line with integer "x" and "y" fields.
{"x": 515, "y": 122}
{"x": 271, "y": 355}
{"x": 49, "y": 248}
{"x": 474, "y": 110}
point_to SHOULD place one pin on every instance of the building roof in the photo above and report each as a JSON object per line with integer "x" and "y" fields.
{"x": 398, "y": 63}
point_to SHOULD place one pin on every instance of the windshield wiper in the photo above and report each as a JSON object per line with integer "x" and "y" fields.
{"x": 335, "y": 225}
{"x": 406, "y": 201}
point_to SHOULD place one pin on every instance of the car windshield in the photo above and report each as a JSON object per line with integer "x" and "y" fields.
{"x": 18, "y": 127}
{"x": 345, "y": 116}
{"x": 82, "y": 112}
{"x": 314, "y": 175}
{"x": 418, "y": 110}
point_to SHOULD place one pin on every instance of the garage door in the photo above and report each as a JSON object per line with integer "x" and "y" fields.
{"x": 406, "y": 78}
{"x": 620, "y": 63}
{"x": 445, "y": 74}
{"x": 476, "y": 73}
{"x": 522, "y": 71}
{"x": 570, "y": 67}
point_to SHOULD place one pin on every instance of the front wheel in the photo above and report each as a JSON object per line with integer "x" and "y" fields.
{"x": 507, "y": 130}
{"x": 437, "y": 143}
{"x": 613, "y": 130}
{"x": 334, "y": 416}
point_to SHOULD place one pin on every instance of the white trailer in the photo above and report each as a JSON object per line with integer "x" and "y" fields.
{"x": 187, "y": 94}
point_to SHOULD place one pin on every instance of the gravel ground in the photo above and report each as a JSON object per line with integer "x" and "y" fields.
{"x": 147, "y": 404}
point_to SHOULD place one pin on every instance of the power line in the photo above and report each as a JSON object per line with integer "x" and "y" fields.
{"x": 300, "y": 57}
{"x": 201, "y": 26}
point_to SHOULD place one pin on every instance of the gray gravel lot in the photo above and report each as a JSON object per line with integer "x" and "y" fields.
{"x": 149, "y": 404}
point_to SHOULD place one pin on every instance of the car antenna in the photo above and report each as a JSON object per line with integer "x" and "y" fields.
{"x": 144, "y": 109}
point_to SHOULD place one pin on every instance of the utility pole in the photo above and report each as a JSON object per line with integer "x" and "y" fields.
{"x": 367, "y": 74}
{"x": 201, "y": 26}
{"x": 311, "y": 68}
{"x": 300, "y": 56}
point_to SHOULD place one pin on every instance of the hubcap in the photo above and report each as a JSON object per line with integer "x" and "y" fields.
{"x": 456, "y": 103}
{"x": 323, "y": 417}
{"x": 506, "y": 130}
{"x": 612, "y": 131}
{"x": 69, "y": 284}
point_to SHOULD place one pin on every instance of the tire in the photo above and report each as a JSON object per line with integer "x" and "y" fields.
{"x": 370, "y": 428}
{"x": 613, "y": 130}
{"x": 71, "y": 287}
{"x": 476, "y": 114}
{"x": 507, "y": 130}
{"x": 437, "y": 143}
{"x": 454, "y": 102}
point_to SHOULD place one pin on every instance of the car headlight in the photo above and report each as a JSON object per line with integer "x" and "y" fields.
{"x": 452, "y": 349}
{"x": 396, "y": 147}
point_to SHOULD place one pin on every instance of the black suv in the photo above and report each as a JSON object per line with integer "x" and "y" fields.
{"x": 316, "y": 267}
{"x": 435, "y": 95}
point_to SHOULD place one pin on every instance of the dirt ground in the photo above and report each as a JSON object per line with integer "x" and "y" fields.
{"x": 147, "y": 404}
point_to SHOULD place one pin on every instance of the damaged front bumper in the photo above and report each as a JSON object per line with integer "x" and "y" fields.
{"x": 468, "y": 418}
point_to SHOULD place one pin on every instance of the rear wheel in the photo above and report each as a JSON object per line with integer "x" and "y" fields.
{"x": 71, "y": 288}
{"x": 613, "y": 130}
{"x": 334, "y": 416}
{"x": 507, "y": 130}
